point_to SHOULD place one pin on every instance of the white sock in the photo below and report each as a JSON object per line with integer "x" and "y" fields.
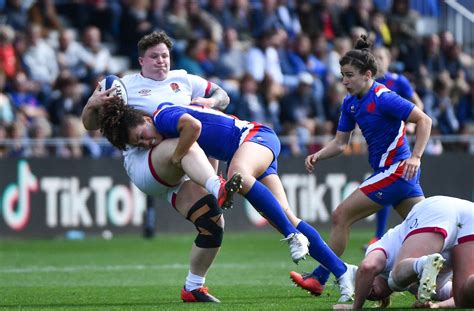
{"x": 419, "y": 264}
{"x": 194, "y": 281}
{"x": 213, "y": 185}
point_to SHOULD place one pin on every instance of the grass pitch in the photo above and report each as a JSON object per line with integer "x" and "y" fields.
{"x": 130, "y": 273}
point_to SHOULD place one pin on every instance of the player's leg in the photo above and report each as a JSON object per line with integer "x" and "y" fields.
{"x": 194, "y": 203}
{"x": 196, "y": 165}
{"x": 463, "y": 274}
{"x": 318, "y": 249}
{"x": 418, "y": 258}
{"x": 250, "y": 166}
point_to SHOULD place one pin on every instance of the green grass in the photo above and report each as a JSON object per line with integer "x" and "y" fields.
{"x": 130, "y": 273}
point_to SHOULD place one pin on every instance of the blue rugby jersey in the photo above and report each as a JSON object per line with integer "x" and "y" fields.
{"x": 220, "y": 133}
{"x": 381, "y": 116}
{"x": 397, "y": 83}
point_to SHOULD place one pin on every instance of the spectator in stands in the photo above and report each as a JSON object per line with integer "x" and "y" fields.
{"x": 232, "y": 55}
{"x": 193, "y": 54}
{"x": 202, "y": 23}
{"x": 72, "y": 130}
{"x": 3, "y": 137}
{"x": 320, "y": 17}
{"x": 265, "y": 17}
{"x": 8, "y": 59}
{"x": 176, "y": 23}
{"x": 40, "y": 60}
{"x": 250, "y": 104}
{"x": 341, "y": 45}
{"x": 288, "y": 17}
{"x": 16, "y": 14}
{"x": 24, "y": 99}
{"x": 402, "y": 22}
{"x": 332, "y": 103}
{"x": 44, "y": 13}
{"x": 95, "y": 146}
{"x": 39, "y": 130}
{"x": 92, "y": 41}
{"x": 220, "y": 12}
{"x": 380, "y": 29}
{"x": 302, "y": 115}
{"x": 357, "y": 15}
{"x": 432, "y": 59}
{"x": 242, "y": 18}
{"x": 17, "y": 133}
{"x": 6, "y": 110}
{"x": 68, "y": 99}
{"x": 72, "y": 56}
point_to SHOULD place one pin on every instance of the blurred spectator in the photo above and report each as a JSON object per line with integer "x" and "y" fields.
{"x": 220, "y": 12}
{"x": 265, "y": 18}
{"x": 272, "y": 93}
{"x": 71, "y": 129}
{"x": 320, "y": 17}
{"x": 203, "y": 25}
{"x": 465, "y": 110}
{"x": 250, "y": 105}
{"x": 17, "y": 133}
{"x": 341, "y": 46}
{"x": 433, "y": 61}
{"x": 6, "y": 111}
{"x": 23, "y": 99}
{"x": 94, "y": 146}
{"x": 8, "y": 60}
{"x": 92, "y": 41}
{"x": 241, "y": 18}
{"x": 263, "y": 59}
{"x": 135, "y": 22}
{"x": 439, "y": 107}
{"x": 301, "y": 115}
{"x": 44, "y": 13}
{"x": 40, "y": 60}
{"x": 176, "y": 22}
{"x": 72, "y": 56}
{"x": 39, "y": 130}
{"x": 287, "y": 15}
{"x": 357, "y": 15}
{"x": 193, "y": 54}
{"x": 402, "y": 22}
{"x": 333, "y": 102}
{"x": 67, "y": 100}
{"x": 232, "y": 58}
{"x": 379, "y": 26}
{"x": 3, "y": 136}
{"x": 16, "y": 13}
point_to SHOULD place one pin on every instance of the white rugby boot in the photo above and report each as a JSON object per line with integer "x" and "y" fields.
{"x": 427, "y": 287}
{"x": 298, "y": 246}
{"x": 346, "y": 283}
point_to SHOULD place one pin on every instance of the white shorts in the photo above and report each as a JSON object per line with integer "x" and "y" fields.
{"x": 453, "y": 218}
{"x": 139, "y": 168}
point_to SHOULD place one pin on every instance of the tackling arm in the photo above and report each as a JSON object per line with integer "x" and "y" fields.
{"x": 218, "y": 98}
{"x": 370, "y": 267}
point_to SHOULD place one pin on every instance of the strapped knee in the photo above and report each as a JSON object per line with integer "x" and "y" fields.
{"x": 205, "y": 214}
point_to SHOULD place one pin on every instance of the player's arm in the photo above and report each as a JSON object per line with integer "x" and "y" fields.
{"x": 189, "y": 129}
{"x": 90, "y": 113}
{"x": 423, "y": 130}
{"x": 217, "y": 98}
{"x": 370, "y": 267}
{"x": 332, "y": 149}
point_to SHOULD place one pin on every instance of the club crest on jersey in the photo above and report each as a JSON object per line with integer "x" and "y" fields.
{"x": 353, "y": 109}
{"x": 144, "y": 92}
{"x": 175, "y": 87}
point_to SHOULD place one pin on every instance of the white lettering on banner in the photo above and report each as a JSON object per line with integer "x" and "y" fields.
{"x": 19, "y": 195}
{"x": 306, "y": 196}
{"x": 67, "y": 204}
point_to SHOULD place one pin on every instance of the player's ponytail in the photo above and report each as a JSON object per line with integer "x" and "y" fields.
{"x": 360, "y": 57}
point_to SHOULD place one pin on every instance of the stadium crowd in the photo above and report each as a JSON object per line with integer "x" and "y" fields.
{"x": 277, "y": 59}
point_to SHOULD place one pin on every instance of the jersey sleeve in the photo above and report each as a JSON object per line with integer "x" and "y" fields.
{"x": 200, "y": 87}
{"x": 346, "y": 121}
{"x": 406, "y": 91}
{"x": 394, "y": 105}
{"x": 166, "y": 121}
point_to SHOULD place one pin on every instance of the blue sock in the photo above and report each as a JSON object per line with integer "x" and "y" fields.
{"x": 322, "y": 274}
{"x": 382, "y": 216}
{"x": 263, "y": 201}
{"x": 319, "y": 250}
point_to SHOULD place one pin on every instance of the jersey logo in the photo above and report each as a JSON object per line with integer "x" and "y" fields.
{"x": 175, "y": 87}
{"x": 144, "y": 92}
{"x": 379, "y": 195}
{"x": 414, "y": 224}
{"x": 389, "y": 83}
{"x": 353, "y": 109}
{"x": 371, "y": 107}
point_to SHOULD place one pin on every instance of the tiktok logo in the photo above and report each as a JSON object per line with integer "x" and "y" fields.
{"x": 16, "y": 198}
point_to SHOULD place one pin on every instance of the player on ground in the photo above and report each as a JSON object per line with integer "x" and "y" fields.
{"x": 156, "y": 83}
{"x": 381, "y": 115}
{"x": 438, "y": 228}
{"x": 236, "y": 142}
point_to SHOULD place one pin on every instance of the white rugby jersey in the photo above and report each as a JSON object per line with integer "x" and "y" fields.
{"x": 179, "y": 88}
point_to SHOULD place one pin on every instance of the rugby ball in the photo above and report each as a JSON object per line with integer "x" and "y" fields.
{"x": 114, "y": 81}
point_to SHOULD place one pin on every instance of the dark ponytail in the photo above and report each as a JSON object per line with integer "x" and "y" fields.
{"x": 360, "y": 57}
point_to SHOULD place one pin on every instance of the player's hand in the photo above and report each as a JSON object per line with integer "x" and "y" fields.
{"x": 343, "y": 307}
{"x": 425, "y": 305}
{"x": 100, "y": 97}
{"x": 207, "y": 102}
{"x": 411, "y": 166}
{"x": 310, "y": 161}
{"x": 176, "y": 161}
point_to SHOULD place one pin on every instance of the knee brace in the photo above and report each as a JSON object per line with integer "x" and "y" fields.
{"x": 205, "y": 215}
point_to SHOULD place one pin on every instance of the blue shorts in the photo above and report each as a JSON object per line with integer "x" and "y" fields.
{"x": 265, "y": 136}
{"x": 387, "y": 186}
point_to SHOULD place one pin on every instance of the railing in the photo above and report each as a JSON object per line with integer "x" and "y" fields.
{"x": 459, "y": 20}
